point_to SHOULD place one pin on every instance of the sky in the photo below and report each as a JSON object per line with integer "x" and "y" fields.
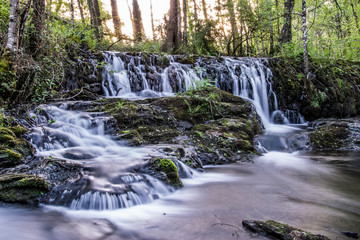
{"x": 160, "y": 7}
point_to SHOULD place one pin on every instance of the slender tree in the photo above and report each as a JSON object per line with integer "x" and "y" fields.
{"x": 286, "y": 32}
{"x": 195, "y": 20}
{"x": 97, "y": 15}
{"x": 305, "y": 39}
{"x": 172, "y": 37}
{"x": 38, "y": 27}
{"x": 72, "y": 11}
{"x": 139, "y": 32}
{"x": 23, "y": 18}
{"x": 152, "y": 21}
{"x": 116, "y": 19}
{"x": 234, "y": 31}
{"x": 81, "y": 11}
{"x": 204, "y": 9}
{"x": 185, "y": 24}
{"x": 13, "y": 33}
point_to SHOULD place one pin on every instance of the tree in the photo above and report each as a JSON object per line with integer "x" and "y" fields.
{"x": 172, "y": 37}
{"x": 116, "y": 19}
{"x": 234, "y": 31}
{"x": 139, "y": 32}
{"x": 13, "y": 33}
{"x": 185, "y": 25}
{"x": 152, "y": 20}
{"x": 36, "y": 32}
{"x": 305, "y": 39}
{"x": 286, "y": 34}
{"x": 204, "y": 9}
{"x": 81, "y": 11}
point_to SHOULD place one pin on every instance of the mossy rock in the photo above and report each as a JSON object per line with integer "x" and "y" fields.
{"x": 333, "y": 136}
{"x": 149, "y": 135}
{"x": 163, "y": 169}
{"x": 22, "y": 188}
{"x": 276, "y": 230}
{"x": 13, "y": 149}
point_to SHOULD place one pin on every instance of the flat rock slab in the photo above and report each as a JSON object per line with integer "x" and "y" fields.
{"x": 275, "y": 230}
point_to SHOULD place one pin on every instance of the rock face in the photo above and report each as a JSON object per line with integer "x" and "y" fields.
{"x": 335, "y": 134}
{"x": 275, "y": 230}
{"x": 336, "y": 90}
{"x": 219, "y": 126}
{"x": 21, "y": 188}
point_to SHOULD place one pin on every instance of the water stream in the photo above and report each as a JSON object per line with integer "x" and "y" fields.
{"x": 316, "y": 191}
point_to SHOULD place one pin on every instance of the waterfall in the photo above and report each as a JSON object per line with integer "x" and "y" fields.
{"x": 110, "y": 183}
{"x": 249, "y": 78}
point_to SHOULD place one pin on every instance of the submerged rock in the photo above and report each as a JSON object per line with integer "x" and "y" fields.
{"x": 275, "y": 230}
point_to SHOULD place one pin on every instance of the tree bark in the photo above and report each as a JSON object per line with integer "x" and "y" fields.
{"x": 93, "y": 19}
{"x": 172, "y": 38}
{"x": 81, "y": 11}
{"x": 185, "y": 9}
{"x": 305, "y": 39}
{"x": 38, "y": 23}
{"x": 139, "y": 32}
{"x": 116, "y": 19}
{"x": 286, "y": 34}
{"x": 234, "y": 32}
{"x": 72, "y": 11}
{"x": 13, "y": 30}
{"x": 97, "y": 16}
{"x": 195, "y": 20}
{"x": 152, "y": 20}
{"x": 23, "y": 18}
{"x": 355, "y": 16}
{"x": 204, "y": 9}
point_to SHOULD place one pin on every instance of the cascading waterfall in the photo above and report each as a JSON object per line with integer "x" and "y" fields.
{"x": 76, "y": 136}
{"x": 249, "y": 78}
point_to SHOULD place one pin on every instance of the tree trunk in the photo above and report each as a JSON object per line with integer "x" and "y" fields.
{"x": 116, "y": 19}
{"x": 72, "y": 11}
{"x": 81, "y": 11}
{"x": 13, "y": 33}
{"x": 93, "y": 19}
{"x": 305, "y": 39}
{"x": 152, "y": 20}
{"x": 234, "y": 32}
{"x": 355, "y": 16}
{"x": 195, "y": 20}
{"x": 185, "y": 9}
{"x": 97, "y": 16}
{"x": 204, "y": 9}
{"x": 23, "y": 18}
{"x": 172, "y": 38}
{"x": 38, "y": 23}
{"x": 286, "y": 34}
{"x": 139, "y": 32}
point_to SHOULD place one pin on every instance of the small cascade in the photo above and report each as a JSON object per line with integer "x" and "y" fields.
{"x": 109, "y": 182}
{"x": 156, "y": 76}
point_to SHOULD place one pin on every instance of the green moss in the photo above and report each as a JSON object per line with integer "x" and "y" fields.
{"x": 169, "y": 168}
{"x": 329, "y": 137}
{"x": 21, "y": 187}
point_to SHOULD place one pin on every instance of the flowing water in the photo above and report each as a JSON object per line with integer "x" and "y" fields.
{"x": 315, "y": 191}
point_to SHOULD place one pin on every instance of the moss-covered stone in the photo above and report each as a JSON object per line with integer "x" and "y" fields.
{"x": 276, "y": 230}
{"x": 163, "y": 169}
{"x": 331, "y": 136}
{"x": 21, "y": 188}
{"x": 13, "y": 148}
{"x": 335, "y": 91}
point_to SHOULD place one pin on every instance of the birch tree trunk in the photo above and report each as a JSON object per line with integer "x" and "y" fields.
{"x": 305, "y": 39}
{"x": 13, "y": 33}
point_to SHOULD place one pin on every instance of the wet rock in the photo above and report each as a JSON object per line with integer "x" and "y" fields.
{"x": 163, "y": 169}
{"x": 275, "y": 230}
{"x": 353, "y": 235}
{"x": 21, "y": 188}
{"x": 335, "y": 134}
